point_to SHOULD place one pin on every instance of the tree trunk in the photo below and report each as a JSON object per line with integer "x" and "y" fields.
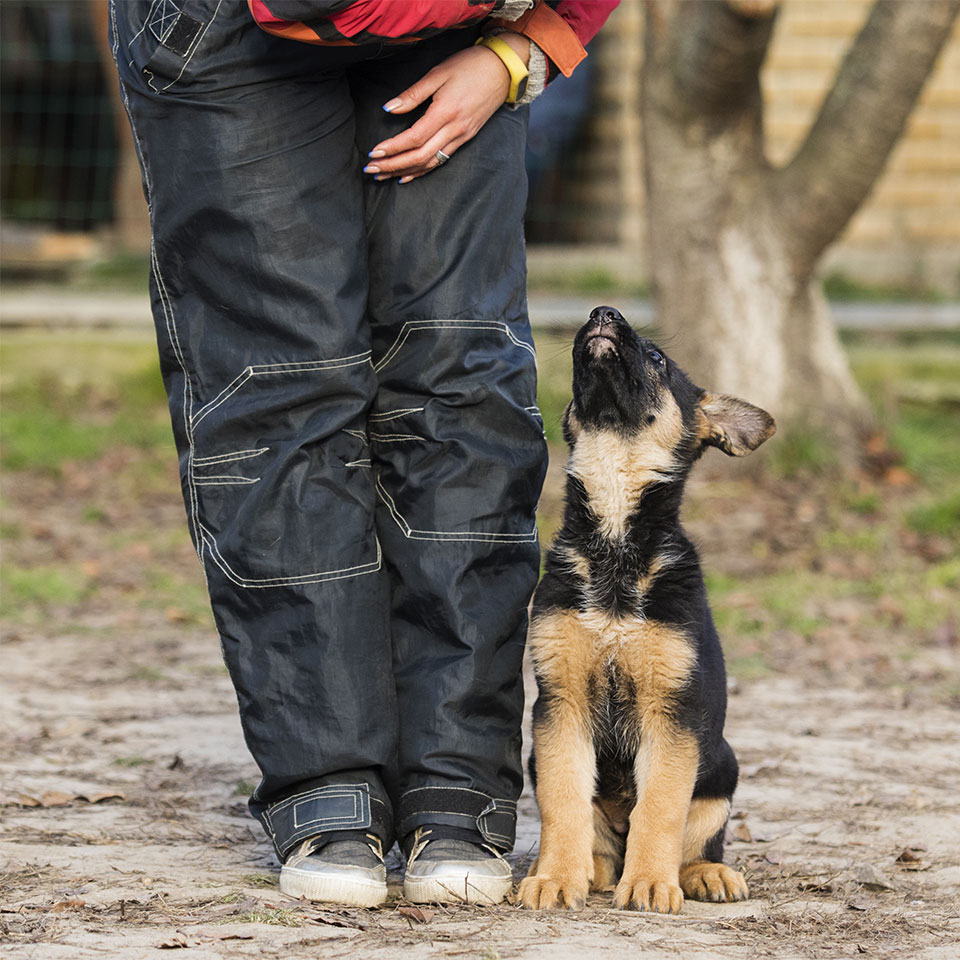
{"x": 735, "y": 288}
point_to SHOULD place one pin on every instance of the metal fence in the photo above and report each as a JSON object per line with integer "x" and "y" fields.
{"x": 59, "y": 145}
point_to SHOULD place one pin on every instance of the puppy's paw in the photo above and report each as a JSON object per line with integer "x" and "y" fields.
{"x": 653, "y": 896}
{"x": 543, "y": 891}
{"x": 713, "y": 882}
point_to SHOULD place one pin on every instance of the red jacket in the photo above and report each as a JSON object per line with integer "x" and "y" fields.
{"x": 561, "y": 29}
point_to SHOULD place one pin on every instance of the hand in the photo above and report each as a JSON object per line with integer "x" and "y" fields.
{"x": 467, "y": 89}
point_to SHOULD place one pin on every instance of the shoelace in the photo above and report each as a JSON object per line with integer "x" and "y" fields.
{"x": 311, "y": 844}
{"x": 421, "y": 839}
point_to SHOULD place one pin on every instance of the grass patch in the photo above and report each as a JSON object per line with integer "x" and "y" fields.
{"x": 123, "y": 272}
{"x": 941, "y": 516}
{"x": 275, "y": 917}
{"x": 261, "y": 879}
{"x": 41, "y": 586}
{"x": 130, "y": 761}
{"x": 244, "y": 788}
{"x": 840, "y": 286}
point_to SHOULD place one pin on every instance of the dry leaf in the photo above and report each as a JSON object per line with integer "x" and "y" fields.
{"x": 105, "y": 795}
{"x": 18, "y": 800}
{"x": 55, "y": 798}
{"x": 176, "y": 615}
{"x": 74, "y": 903}
{"x": 907, "y": 856}
{"x": 742, "y": 832}
{"x": 417, "y": 913}
{"x": 175, "y": 943}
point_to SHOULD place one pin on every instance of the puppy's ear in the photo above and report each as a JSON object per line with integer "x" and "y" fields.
{"x": 733, "y": 425}
{"x": 570, "y": 425}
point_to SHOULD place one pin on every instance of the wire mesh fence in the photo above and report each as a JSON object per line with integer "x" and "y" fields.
{"x": 60, "y": 152}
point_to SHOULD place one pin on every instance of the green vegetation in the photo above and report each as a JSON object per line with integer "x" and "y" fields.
{"x": 39, "y": 586}
{"x": 839, "y": 286}
{"x": 130, "y": 761}
{"x": 76, "y": 397}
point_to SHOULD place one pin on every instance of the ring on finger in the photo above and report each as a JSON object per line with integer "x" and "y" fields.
{"x": 442, "y": 158}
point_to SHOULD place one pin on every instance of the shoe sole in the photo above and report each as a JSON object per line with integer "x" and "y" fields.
{"x": 354, "y": 892}
{"x": 457, "y": 888}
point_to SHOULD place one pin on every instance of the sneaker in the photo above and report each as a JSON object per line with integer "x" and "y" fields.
{"x": 455, "y": 871}
{"x": 350, "y": 872}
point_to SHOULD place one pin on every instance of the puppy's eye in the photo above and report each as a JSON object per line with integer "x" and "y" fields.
{"x": 656, "y": 356}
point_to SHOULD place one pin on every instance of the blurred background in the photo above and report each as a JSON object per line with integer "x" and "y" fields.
{"x": 837, "y": 559}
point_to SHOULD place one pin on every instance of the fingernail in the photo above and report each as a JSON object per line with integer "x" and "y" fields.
{"x": 371, "y": 168}
{"x": 404, "y": 179}
{"x": 392, "y": 105}
{"x": 376, "y": 154}
{"x": 383, "y": 176}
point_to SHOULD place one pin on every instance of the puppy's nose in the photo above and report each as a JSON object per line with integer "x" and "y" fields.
{"x": 600, "y": 316}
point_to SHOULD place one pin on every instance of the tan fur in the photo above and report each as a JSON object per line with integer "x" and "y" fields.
{"x": 706, "y": 817}
{"x": 665, "y": 771}
{"x": 657, "y": 566}
{"x": 567, "y": 647}
{"x": 615, "y": 470}
{"x": 712, "y": 881}
{"x": 566, "y": 767}
{"x": 577, "y": 562}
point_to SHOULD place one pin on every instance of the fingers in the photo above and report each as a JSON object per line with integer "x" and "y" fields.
{"x": 385, "y": 153}
{"x": 414, "y": 163}
{"x": 413, "y": 96}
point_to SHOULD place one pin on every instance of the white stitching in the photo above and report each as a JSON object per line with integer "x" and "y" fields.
{"x": 265, "y": 369}
{"x": 318, "y": 577}
{"x": 393, "y": 437}
{"x": 393, "y": 414}
{"x": 359, "y": 463}
{"x": 223, "y": 481}
{"x": 451, "y": 536}
{"x": 153, "y": 6}
{"x": 348, "y": 789}
{"x": 228, "y": 457}
{"x": 359, "y": 434}
{"x": 411, "y": 325}
{"x": 196, "y": 47}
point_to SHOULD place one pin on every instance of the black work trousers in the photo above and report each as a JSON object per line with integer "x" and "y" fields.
{"x": 352, "y": 385}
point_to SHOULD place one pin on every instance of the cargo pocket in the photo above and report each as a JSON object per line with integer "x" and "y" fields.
{"x": 163, "y": 48}
{"x": 280, "y": 474}
{"x": 456, "y": 438}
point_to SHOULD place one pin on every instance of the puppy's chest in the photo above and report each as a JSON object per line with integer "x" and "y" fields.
{"x": 636, "y": 662}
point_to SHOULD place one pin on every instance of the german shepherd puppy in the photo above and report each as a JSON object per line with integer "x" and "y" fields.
{"x": 632, "y": 774}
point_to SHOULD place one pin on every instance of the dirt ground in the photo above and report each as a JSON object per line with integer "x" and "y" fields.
{"x": 847, "y": 819}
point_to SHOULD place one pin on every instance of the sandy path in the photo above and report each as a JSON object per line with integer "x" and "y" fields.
{"x": 836, "y": 785}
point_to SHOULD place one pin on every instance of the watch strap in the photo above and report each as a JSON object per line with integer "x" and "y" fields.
{"x": 511, "y": 60}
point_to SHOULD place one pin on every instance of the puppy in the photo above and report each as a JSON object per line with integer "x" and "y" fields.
{"x": 632, "y": 774}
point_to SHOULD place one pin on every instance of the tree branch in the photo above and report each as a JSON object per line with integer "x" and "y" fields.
{"x": 860, "y": 120}
{"x": 717, "y": 51}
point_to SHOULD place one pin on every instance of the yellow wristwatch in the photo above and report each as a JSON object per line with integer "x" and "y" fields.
{"x": 519, "y": 74}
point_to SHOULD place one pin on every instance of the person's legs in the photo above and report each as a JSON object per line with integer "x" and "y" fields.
{"x": 457, "y": 441}
{"x": 259, "y": 291}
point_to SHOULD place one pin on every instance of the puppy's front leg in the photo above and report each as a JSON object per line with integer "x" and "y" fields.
{"x": 665, "y": 771}
{"x": 566, "y": 772}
